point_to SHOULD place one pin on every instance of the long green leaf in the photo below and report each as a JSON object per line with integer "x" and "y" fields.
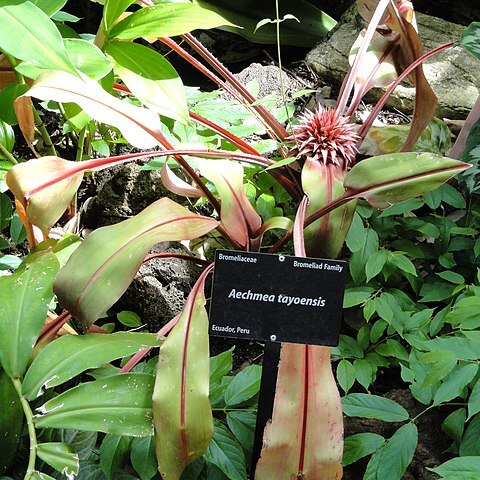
{"x": 28, "y": 34}
{"x": 121, "y": 404}
{"x": 389, "y": 179}
{"x": 373, "y": 406}
{"x": 151, "y": 78}
{"x": 71, "y": 355}
{"x": 181, "y": 408}
{"x": 312, "y": 24}
{"x": 167, "y": 20}
{"x": 25, "y": 296}
{"x": 60, "y": 456}
{"x": 100, "y": 270}
{"x": 393, "y": 458}
{"x": 11, "y": 421}
{"x": 466, "y": 468}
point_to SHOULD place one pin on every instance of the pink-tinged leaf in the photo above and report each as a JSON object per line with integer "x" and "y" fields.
{"x": 178, "y": 186}
{"x": 304, "y": 438}
{"x": 411, "y": 49}
{"x": 237, "y": 215}
{"x": 181, "y": 409}
{"x": 298, "y": 238}
{"x": 323, "y": 184}
{"x": 46, "y": 206}
{"x": 24, "y": 112}
{"x": 101, "y": 269}
{"x": 389, "y": 179}
{"x": 280, "y": 223}
{"x": 141, "y": 127}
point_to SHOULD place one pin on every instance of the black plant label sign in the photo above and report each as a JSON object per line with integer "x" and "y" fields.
{"x": 277, "y": 298}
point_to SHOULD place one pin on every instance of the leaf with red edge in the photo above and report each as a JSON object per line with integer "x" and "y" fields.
{"x": 237, "y": 215}
{"x": 304, "y": 439}
{"x": 101, "y": 269}
{"x": 410, "y": 49}
{"x": 181, "y": 408}
{"x": 178, "y": 186}
{"x": 389, "y": 179}
{"x": 45, "y": 207}
{"x": 141, "y": 127}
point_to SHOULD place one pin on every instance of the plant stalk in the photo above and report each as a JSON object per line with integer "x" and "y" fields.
{"x": 31, "y": 429}
{"x": 8, "y": 155}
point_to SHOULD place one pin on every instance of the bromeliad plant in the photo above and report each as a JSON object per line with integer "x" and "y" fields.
{"x": 318, "y": 174}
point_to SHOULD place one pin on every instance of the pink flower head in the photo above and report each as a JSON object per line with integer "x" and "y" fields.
{"x": 326, "y": 136}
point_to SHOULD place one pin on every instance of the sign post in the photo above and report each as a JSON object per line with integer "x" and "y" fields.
{"x": 274, "y": 299}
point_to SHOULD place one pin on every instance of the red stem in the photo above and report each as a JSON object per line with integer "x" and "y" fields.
{"x": 271, "y": 121}
{"x": 373, "y": 114}
{"x": 52, "y": 328}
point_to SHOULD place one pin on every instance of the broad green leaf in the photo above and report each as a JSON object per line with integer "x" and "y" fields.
{"x": 151, "y": 78}
{"x": 474, "y": 400}
{"x": 373, "y": 406}
{"x": 443, "y": 362}
{"x": 242, "y": 424}
{"x": 470, "y": 446}
{"x": 17, "y": 229}
{"x": 454, "y": 426}
{"x": 87, "y": 58}
{"x": 314, "y": 24}
{"x": 167, "y": 20}
{"x": 364, "y": 372}
{"x": 226, "y": 453}
{"x": 220, "y": 365}
{"x": 50, "y": 7}
{"x": 393, "y": 458}
{"x": 129, "y": 319}
{"x": 7, "y": 136}
{"x": 454, "y": 384}
{"x": 403, "y": 263}
{"x": 11, "y": 421}
{"x": 113, "y": 454}
{"x": 356, "y": 234}
{"x": 142, "y": 456}
{"x": 306, "y": 413}
{"x": 452, "y": 277}
{"x": 345, "y": 375}
{"x": 356, "y": 295}
{"x": 82, "y": 442}
{"x": 9, "y": 262}
{"x": 111, "y": 12}
{"x": 460, "y": 468}
{"x": 6, "y": 210}
{"x": 60, "y": 456}
{"x": 471, "y": 39}
{"x": 402, "y": 207}
{"x": 71, "y": 355}
{"x": 244, "y": 385}
{"x": 389, "y": 179}
{"x": 101, "y": 269}
{"x": 139, "y": 126}
{"x": 7, "y": 97}
{"x": 25, "y": 297}
{"x": 464, "y": 314}
{"x": 360, "y": 445}
{"x": 28, "y": 34}
{"x": 181, "y": 408}
{"x": 121, "y": 405}
{"x": 46, "y": 206}
{"x": 359, "y": 259}
{"x": 375, "y": 263}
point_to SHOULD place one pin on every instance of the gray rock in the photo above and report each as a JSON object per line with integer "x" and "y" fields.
{"x": 268, "y": 78}
{"x": 122, "y": 192}
{"x": 454, "y": 74}
{"x": 161, "y": 287}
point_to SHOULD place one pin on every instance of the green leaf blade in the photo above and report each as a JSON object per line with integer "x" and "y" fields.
{"x": 71, "y": 355}
{"x": 373, "y": 406}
